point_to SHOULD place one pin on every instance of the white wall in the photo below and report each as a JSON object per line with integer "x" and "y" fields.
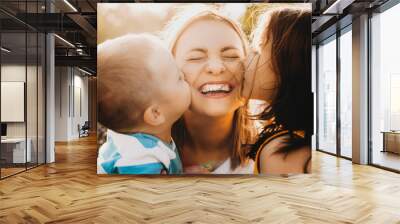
{"x": 80, "y": 102}
{"x": 61, "y": 103}
{"x": 71, "y": 87}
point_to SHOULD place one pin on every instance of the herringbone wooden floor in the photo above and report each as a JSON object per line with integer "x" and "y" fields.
{"x": 69, "y": 191}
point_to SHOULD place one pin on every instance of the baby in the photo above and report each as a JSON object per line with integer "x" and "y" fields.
{"x": 141, "y": 93}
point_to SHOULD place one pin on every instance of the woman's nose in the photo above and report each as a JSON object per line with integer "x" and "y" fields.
{"x": 215, "y": 67}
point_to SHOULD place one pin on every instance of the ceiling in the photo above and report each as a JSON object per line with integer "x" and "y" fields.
{"x": 76, "y": 22}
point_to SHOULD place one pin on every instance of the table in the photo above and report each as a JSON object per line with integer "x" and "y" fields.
{"x": 13, "y": 150}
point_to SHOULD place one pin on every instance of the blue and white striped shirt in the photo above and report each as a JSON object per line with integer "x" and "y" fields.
{"x": 137, "y": 153}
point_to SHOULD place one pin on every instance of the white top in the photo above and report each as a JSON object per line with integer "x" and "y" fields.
{"x": 225, "y": 168}
{"x": 137, "y": 153}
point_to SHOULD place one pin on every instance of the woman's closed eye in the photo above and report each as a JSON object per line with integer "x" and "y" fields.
{"x": 196, "y": 56}
{"x": 230, "y": 54}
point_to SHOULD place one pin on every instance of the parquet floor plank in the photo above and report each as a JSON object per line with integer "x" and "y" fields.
{"x": 69, "y": 191}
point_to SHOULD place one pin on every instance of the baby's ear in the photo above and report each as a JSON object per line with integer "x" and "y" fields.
{"x": 153, "y": 116}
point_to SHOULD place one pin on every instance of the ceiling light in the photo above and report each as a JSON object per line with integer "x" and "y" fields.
{"x": 338, "y": 6}
{"x": 84, "y": 71}
{"x": 65, "y": 41}
{"x": 70, "y": 5}
{"x": 5, "y": 50}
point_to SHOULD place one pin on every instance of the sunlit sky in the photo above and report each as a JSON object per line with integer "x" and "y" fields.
{"x": 118, "y": 19}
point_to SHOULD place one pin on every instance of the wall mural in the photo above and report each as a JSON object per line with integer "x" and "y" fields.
{"x": 216, "y": 88}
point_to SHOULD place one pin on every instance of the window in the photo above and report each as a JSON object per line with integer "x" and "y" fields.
{"x": 385, "y": 89}
{"x": 327, "y": 96}
{"x": 22, "y": 78}
{"x": 346, "y": 92}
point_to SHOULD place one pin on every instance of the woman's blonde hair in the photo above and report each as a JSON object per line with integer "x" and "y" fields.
{"x": 188, "y": 14}
{"x": 184, "y": 17}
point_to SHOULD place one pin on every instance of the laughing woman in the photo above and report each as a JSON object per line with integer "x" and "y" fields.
{"x": 210, "y": 50}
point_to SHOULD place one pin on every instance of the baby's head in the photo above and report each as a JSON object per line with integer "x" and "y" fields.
{"x": 139, "y": 85}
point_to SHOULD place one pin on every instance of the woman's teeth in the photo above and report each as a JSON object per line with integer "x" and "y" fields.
{"x": 213, "y": 88}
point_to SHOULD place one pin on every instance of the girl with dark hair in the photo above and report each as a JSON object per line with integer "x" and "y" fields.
{"x": 280, "y": 73}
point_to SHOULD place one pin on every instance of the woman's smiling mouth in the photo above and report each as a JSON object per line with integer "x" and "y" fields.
{"x": 216, "y": 89}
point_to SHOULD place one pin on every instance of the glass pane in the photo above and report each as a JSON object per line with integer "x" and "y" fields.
{"x": 41, "y": 98}
{"x": 31, "y": 98}
{"x": 31, "y": 86}
{"x": 22, "y": 89}
{"x": 346, "y": 94}
{"x": 385, "y": 86}
{"x": 14, "y": 152}
{"x": 327, "y": 96}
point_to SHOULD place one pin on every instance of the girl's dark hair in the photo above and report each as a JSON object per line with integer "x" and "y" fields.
{"x": 289, "y": 32}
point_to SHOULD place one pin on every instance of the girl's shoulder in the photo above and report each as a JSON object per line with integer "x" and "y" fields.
{"x": 272, "y": 156}
{"x": 296, "y": 161}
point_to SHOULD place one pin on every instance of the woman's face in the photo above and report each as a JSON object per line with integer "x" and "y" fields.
{"x": 210, "y": 54}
